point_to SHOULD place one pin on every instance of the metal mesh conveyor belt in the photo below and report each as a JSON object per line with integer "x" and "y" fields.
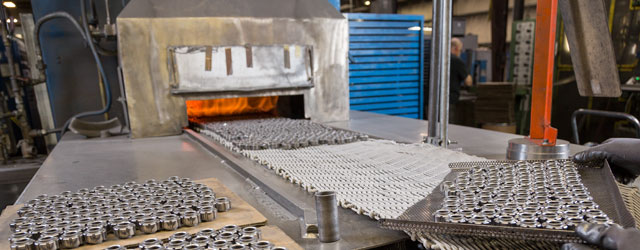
{"x": 285, "y": 133}
{"x": 377, "y": 178}
{"x": 631, "y": 198}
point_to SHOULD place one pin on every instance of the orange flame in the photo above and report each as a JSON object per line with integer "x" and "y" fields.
{"x": 231, "y": 106}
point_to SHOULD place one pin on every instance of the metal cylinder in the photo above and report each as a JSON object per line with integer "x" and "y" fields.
{"x": 444, "y": 41}
{"x": 327, "y": 212}
{"x": 434, "y": 87}
{"x": 438, "y": 115}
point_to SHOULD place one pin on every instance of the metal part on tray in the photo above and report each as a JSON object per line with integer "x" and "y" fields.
{"x": 223, "y": 204}
{"x": 22, "y": 244}
{"x": 225, "y": 238}
{"x": 95, "y": 235}
{"x": 271, "y": 133}
{"x": 87, "y": 215}
{"x": 124, "y": 230}
{"x": 71, "y": 239}
{"x": 542, "y": 191}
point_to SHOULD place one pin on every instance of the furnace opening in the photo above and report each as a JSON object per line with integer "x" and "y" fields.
{"x": 245, "y": 108}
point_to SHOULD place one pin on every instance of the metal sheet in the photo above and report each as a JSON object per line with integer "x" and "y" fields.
{"x": 230, "y": 8}
{"x": 592, "y": 54}
{"x": 225, "y": 68}
{"x": 143, "y": 39}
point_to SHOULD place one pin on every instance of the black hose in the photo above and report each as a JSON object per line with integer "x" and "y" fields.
{"x": 87, "y": 38}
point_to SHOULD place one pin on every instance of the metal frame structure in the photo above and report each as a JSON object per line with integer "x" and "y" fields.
{"x": 386, "y": 56}
{"x": 618, "y": 115}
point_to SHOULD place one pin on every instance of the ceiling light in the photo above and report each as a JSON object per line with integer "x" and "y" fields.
{"x": 9, "y": 4}
{"x": 367, "y": 3}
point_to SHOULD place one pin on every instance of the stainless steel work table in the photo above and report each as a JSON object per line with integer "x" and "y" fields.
{"x": 83, "y": 163}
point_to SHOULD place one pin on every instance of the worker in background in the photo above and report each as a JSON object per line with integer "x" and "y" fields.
{"x": 623, "y": 155}
{"x": 458, "y": 76}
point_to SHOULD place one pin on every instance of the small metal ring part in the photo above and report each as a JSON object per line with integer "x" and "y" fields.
{"x": 228, "y": 236}
{"x": 95, "y": 235}
{"x": 223, "y": 204}
{"x": 71, "y": 239}
{"x": 207, "y": 213}
{"x": 124, "y": 230}
{"x": 149, "y": 225}
{"x": 238, "y": 247}
{"x": 47, "y": 243}
{"x": 170, "y": 222}
{"x": 230, "y": 228}
{"x": 180, "y": 236}
{"x": 263, "y": 245}
{"x": 22, "y": 244}
{"x": 149, "y": 242}
{"x": 252, "y": 231}
{"x": 190, "y": 219}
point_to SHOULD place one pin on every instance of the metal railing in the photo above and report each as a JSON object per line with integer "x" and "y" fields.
{"x": 610, "y": 114}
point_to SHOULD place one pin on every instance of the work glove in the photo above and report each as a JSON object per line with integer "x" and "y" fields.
{"x": 608, "y": 237}
{"x": 623, "y": 155}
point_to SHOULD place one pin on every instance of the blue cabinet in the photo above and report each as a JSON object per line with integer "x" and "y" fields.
{"x": 385, "y": 63}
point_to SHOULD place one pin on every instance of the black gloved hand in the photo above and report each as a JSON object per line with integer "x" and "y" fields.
{"x": 623, "y": 154}
{"x": 608, "y": 237}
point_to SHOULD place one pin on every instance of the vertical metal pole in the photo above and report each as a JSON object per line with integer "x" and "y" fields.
{"x": 439, "y": 74}
{"x": 433, "y": 136}
{"x": 443, "y": 66}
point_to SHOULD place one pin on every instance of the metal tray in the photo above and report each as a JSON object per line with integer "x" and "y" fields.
{"x": 599, "y": 182}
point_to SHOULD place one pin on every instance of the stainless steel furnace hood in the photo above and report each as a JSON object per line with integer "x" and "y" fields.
{"x": 172, "y": 51}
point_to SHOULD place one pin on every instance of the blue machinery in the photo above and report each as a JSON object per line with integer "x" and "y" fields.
{"x": 385, "y": 64}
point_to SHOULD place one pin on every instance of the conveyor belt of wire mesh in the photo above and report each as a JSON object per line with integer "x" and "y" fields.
{"x": 377, "y": 178}
{"x": 631, "y": 198}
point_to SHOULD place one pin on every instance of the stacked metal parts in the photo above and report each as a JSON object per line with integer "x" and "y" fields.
{"x": 533, "y": 195}
{"x": 376, "y": 178}
{"x": 228, "y": 237}
{"x": 92, "y": 216}
{"x": 285, "y": 133}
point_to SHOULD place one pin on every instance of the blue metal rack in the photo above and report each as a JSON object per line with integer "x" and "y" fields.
{"x": 385, "y": 63}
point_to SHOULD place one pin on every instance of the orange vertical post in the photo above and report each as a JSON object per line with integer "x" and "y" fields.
{"x": 541, "y": 131}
